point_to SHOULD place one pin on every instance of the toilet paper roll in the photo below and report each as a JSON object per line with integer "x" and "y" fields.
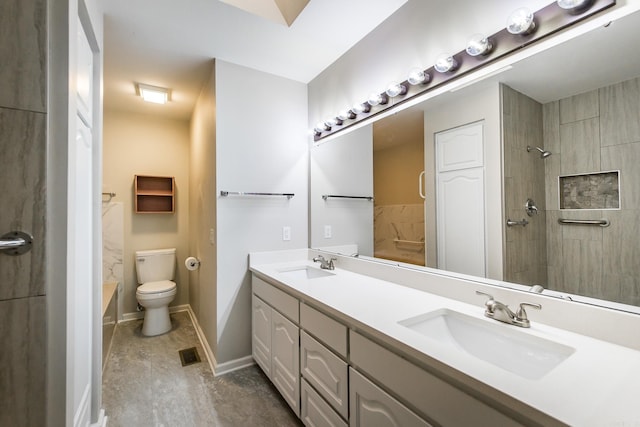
{"x": 192, "y": 263}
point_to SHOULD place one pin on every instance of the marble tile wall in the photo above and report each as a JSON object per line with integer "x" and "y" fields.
{"x": 593, "y": 132}
{"x": 525, "y": 247}
{"x": 23, "y": 186}
{"x": 399, "y": 222}
{"x": 113, "y": 242}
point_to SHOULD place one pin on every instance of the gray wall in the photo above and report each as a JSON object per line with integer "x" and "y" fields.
{"x": 22, "y": 187}
{"x": 591, "y": 132}
{"x": 525, "y": 247}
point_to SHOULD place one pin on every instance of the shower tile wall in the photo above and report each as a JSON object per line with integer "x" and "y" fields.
{"x": 113, "y": 242}
{"x": 593, "y": 132}
{"x": 22, "y": 187}
{"x": 525, "y": 247}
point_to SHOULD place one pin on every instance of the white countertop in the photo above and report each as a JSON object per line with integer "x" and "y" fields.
{"x": 598, "y": 385}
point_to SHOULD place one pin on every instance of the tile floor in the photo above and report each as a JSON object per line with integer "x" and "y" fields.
{"x": 144, "y": 384}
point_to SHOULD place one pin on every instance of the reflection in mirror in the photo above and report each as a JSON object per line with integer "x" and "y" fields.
{"x": 398, "y": 174}
{"x": 585, "y": 112}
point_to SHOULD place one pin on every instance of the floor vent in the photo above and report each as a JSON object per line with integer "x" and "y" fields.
{"x": 189, "y": 356}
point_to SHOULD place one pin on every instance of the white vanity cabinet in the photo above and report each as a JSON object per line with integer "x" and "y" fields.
{"x": 276, "y": 339}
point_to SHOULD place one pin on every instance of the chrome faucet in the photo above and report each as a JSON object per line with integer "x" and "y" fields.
{"x": 324, "y": 264}
{"x": 501, "y": 312}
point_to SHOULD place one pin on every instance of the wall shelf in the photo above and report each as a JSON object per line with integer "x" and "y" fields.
{"x": 154, "y": 194}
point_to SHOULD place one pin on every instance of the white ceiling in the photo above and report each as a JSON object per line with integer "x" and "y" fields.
{"x": 170, "y": 43}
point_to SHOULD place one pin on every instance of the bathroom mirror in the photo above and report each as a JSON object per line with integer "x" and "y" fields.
{"x": 580, "y": 101}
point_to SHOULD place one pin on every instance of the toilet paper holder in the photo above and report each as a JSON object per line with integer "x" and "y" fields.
{"x": 192, "y": 263}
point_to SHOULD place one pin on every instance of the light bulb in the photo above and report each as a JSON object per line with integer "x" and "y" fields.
{"x": 377, "y": 99}
{"x": 396, "y": 89}
{"x": 575, "y": 7}
{"x": 346, "y": 114}
{"x": 445, "y": 63}
{"x": 330, "y": 122}
{"x": 479, "y": 45}
{"x": 361, "y": 107}
{"x": 521, "y": 22}
{"x": 418, "y": 76}
{"x": 320, "y": 127}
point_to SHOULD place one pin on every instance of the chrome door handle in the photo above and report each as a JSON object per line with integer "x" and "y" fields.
{"x": 15, "y": 243}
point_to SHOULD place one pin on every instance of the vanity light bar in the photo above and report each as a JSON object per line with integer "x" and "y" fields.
{"x": 546, "y": 21}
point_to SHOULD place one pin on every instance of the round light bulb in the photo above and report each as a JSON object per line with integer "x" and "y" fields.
{"x": 521, "y": 22}
{"x": 418, "y": 76}
{"x": 320, "y": 127}
{"x": 376, "y": 99}
{"x": 361, "y": 107}
{"x": 479, "y": 45}
{"x": 345, "y": 115}
{"x": 396, "y": 89}
{"x": 445, "y": 63}
{"x": 330, "y": 122}
{"x": 575, "y": 6}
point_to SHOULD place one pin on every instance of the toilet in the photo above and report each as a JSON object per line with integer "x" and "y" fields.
{"x": 155, "y": 270}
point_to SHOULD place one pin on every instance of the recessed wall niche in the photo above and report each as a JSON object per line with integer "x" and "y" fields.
{"x": 590, "y": 191}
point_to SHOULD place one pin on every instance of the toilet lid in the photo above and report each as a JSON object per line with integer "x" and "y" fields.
{"x": 155, "y": 287}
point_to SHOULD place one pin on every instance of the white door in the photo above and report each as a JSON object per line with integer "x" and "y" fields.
{"x": 460, "y": 206}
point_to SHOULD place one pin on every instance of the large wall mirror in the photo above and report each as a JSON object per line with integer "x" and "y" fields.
{"x": 530, "y": 176}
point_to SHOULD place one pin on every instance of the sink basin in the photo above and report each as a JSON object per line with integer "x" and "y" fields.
{"x": 305, "y": 272}
{"x": 502, "y": 345}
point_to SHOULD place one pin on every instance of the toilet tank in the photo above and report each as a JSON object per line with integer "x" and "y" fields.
{"x": 155, "y": 265}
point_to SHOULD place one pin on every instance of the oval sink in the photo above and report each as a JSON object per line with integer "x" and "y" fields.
{"x": 504, "y": 346}
{"x": 305, "y": 272}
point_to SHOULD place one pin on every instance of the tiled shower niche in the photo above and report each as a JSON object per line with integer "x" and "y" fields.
{"x": 590, "y": 191}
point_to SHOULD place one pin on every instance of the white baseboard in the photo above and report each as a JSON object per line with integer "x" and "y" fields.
{"x": 216, "y": 368}
{"x": 233, "y": 365}
{"x": 102, "y": 420}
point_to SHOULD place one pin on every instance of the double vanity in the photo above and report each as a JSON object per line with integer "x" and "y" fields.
{"x": 373, "y": 344}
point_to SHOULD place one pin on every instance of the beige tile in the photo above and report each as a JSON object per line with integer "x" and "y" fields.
{"x": 580, "y": 147}
{"x": 551, "y": 126}
{"x": 579, "y": 107}
{"x": 22, "y": 362}
{"x": 23, "y": 142}
{"x": 23, "y": 49}
{"x": 620, "y": 113}
{"x": 626, "y": 159}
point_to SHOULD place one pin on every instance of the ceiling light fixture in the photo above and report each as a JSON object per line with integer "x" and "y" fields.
{"x": 346, "y": 115}
{"x": 154, "y": 94}
{"x": 575, "y": 7}
{"x": 418, "y": 76}
{"x": 521, "y": 22}
{"x": 478, "y": 45}
{"x": 445, "y": 63}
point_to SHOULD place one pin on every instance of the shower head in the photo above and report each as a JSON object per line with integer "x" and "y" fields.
{"x": 543, "y": 153}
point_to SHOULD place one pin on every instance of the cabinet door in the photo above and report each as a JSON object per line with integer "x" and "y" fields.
{"x": 326, "y": 372}
{"x": 372, "y": 407}
{"x": 261, "y": 335}
{"x": 285, "y": 361}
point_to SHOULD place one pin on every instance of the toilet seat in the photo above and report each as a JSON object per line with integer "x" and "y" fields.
{"x": 156, "y": 287}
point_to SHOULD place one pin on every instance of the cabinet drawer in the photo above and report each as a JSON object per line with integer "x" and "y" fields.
{"x": 329, "y": 331}
{"x": 428, "y": 394}
{"x": 326, "y": 372}
{"x": 281, "y": 301}
{"x": 371, "y": 406}
{"x": 314, "y": 411}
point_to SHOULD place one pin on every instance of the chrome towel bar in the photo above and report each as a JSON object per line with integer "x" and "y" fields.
{"x": 333, "y": 196}
{"x": 244, "y": 193}
{"x": 600, "y": 222}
